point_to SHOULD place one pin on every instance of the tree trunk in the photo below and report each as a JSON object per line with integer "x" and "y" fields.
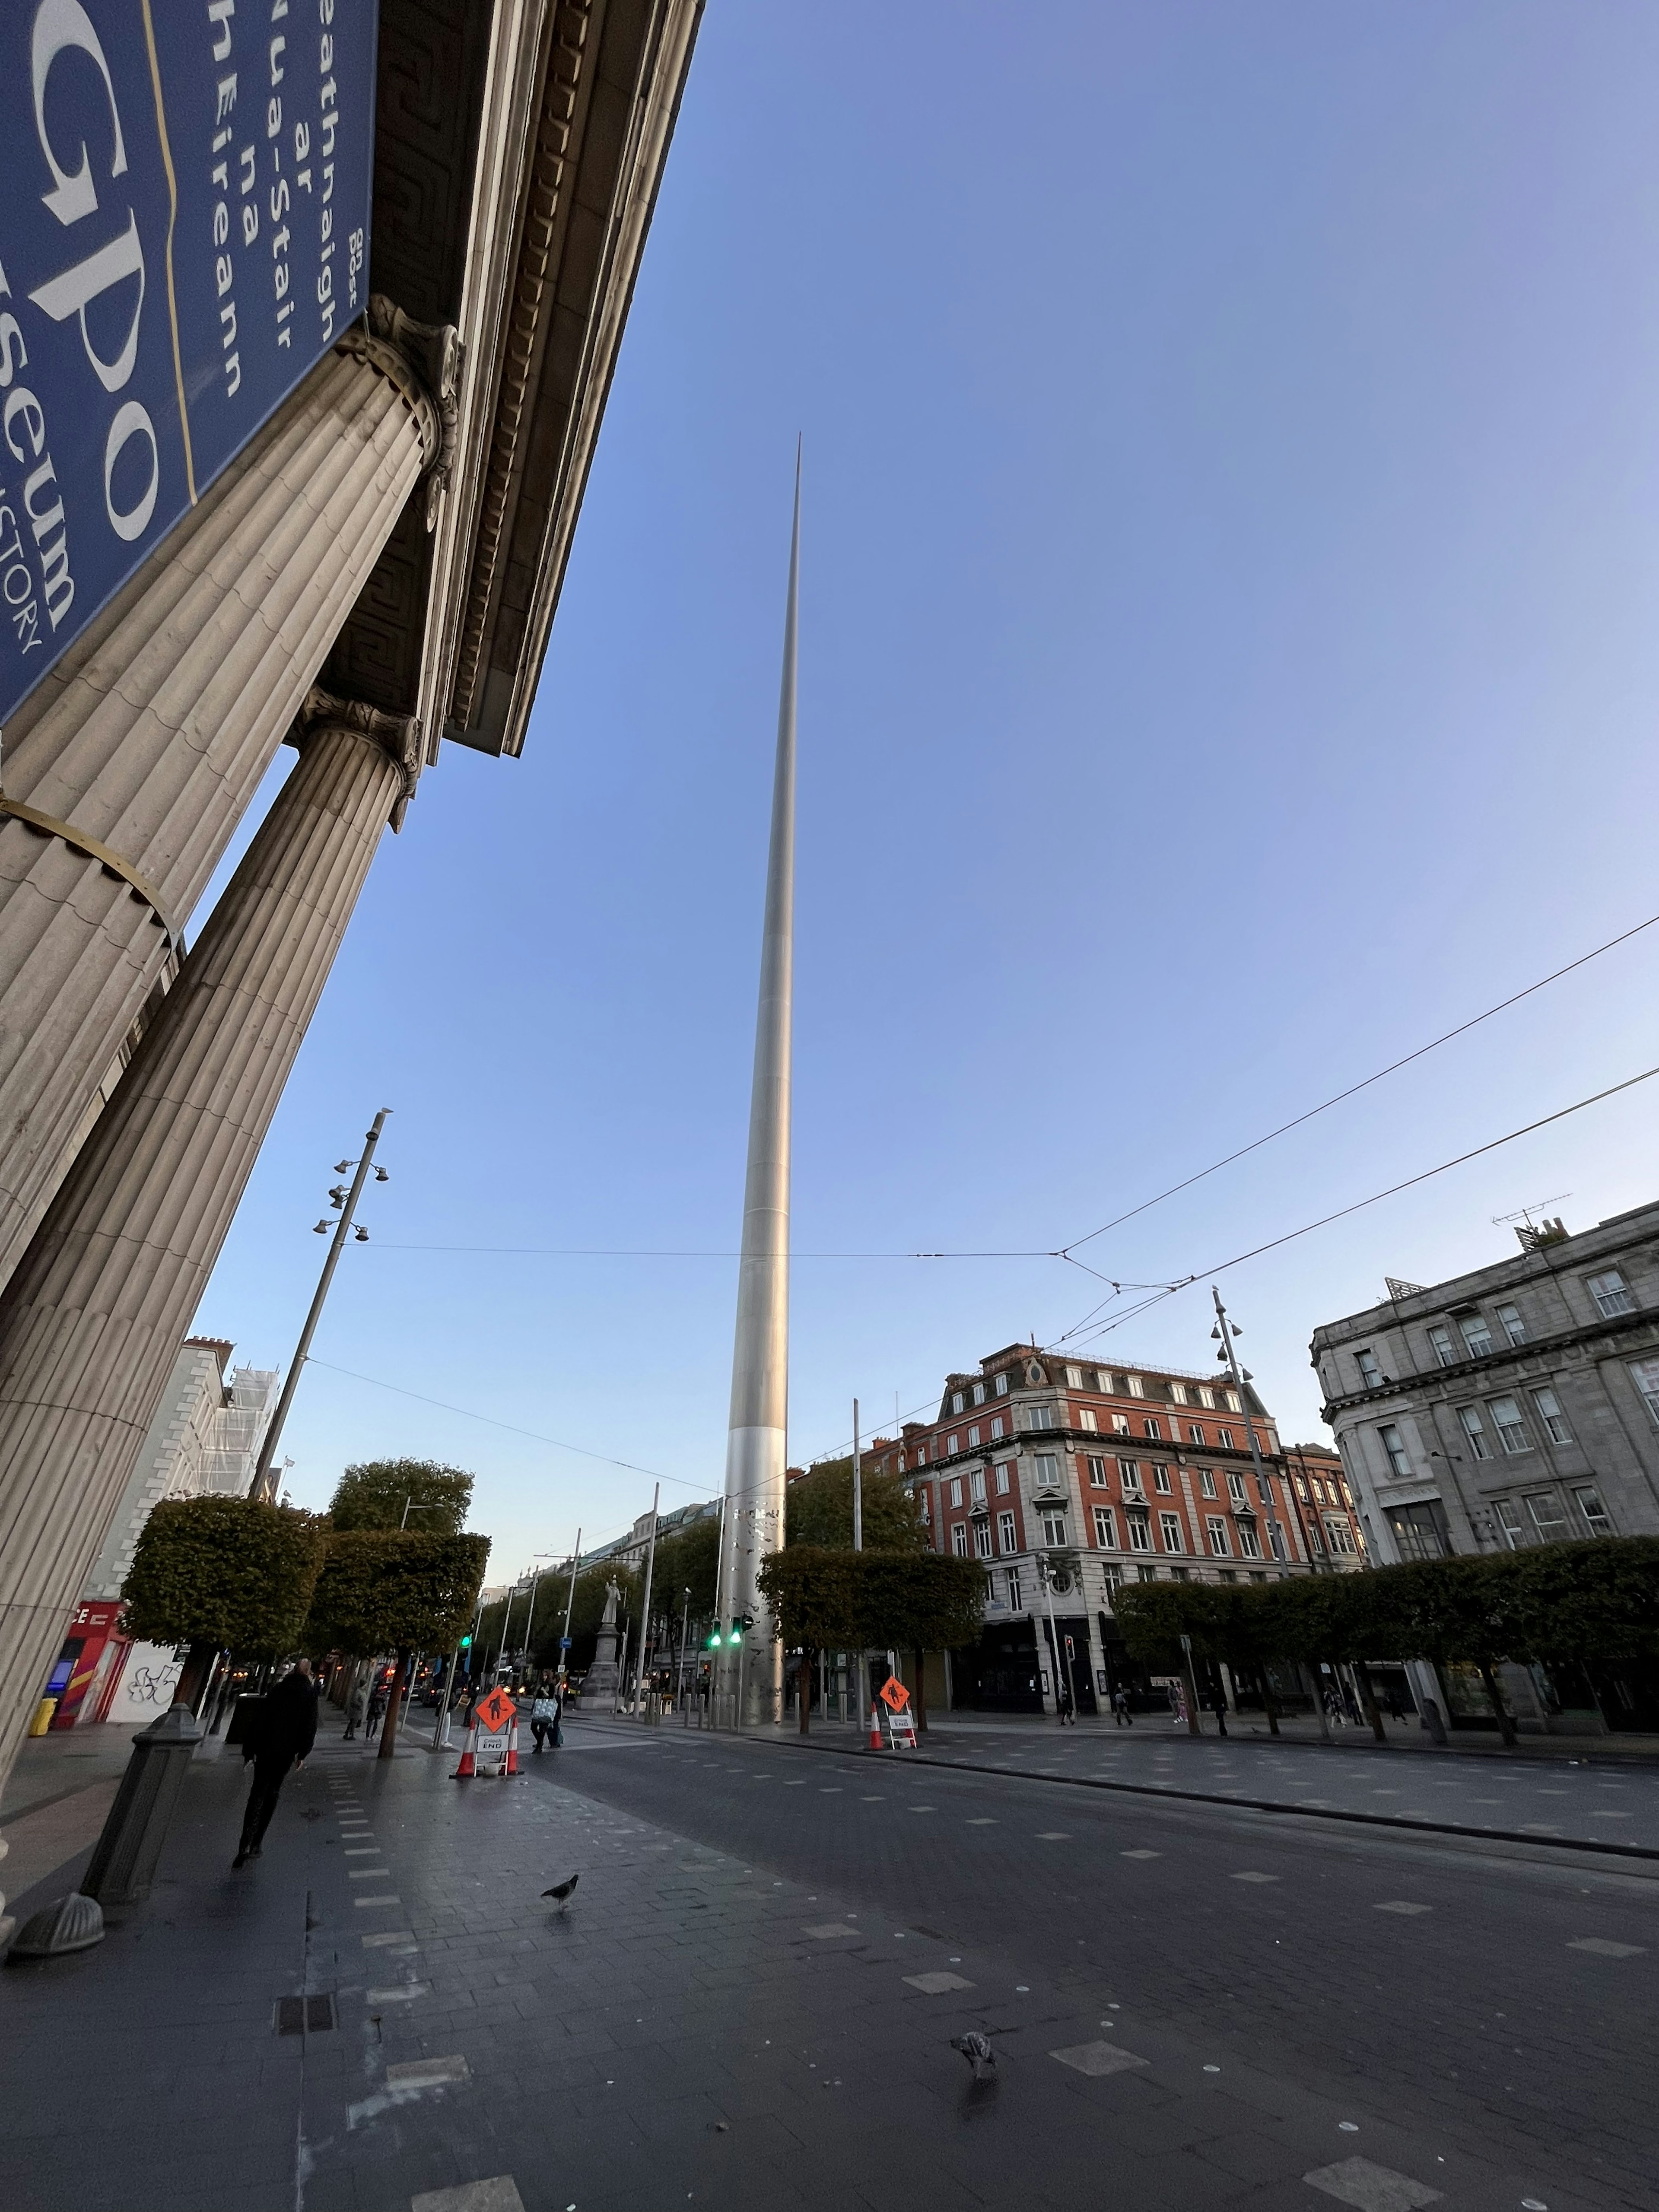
{"x": 804, "y": 1687}
{"x": 198, "y": 1666}
{"x": 1318, "y": 1673}
{"x": 921, "y": 1693}
{"x": 1192, "y": 1725}
{"x": 1368, "y": 1699}
{"x": 389, "y": 1725}
{"x": 1270, "y": 1703}
{"x": 1506, "y": 1727}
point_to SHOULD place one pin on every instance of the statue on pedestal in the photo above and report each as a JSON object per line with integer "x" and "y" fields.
{"x": 601, "y": 1677}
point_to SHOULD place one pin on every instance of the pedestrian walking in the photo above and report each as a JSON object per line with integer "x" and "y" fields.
{"x": 1064, "y": 1703}
{"x": 545, "y": 1720}
{"x": 356, "y": 1711}
{"x": 376, "y": 1704}
{"x": 1121, "y": 1713}
{"x": 280, "y": 1739}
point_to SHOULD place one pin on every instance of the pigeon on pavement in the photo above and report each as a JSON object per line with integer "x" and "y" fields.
{"x": 561, "y": 1890}
{"x": 975, "y": 2049}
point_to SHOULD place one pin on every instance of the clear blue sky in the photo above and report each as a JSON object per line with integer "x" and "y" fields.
{"x": 1230, "y": 656}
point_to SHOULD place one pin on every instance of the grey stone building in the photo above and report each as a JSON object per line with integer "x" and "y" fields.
{"x": 1514, "y": 1405}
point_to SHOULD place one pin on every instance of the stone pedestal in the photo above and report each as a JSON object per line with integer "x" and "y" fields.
{"x": 91, "y": 1317}
{"x": 134, "y": 761}
{"x": 603, "y": 1679}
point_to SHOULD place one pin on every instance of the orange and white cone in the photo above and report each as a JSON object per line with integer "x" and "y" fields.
{"x": 875, "y": 1727}
{"x": 512, "y": 1766}
{"x": 468, "y": 1766}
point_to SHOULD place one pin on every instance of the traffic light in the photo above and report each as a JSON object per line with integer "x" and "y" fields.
{"x": 713, "y": 1643}
{"x": 466, "y": 1643}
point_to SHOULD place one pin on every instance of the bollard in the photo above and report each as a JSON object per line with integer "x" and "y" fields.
{"x": 125, "y": 1856}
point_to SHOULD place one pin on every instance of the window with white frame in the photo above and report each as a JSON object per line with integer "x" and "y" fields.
{"x": 1006, "y": 1532}
{"x": 1314, "y": 1535}
{"x": 1005, "y": 1476}
{"x": 1644, "y": 1373}
{"x": 1224, "y": 1439}
{"x": 1103, "y": 1381}
{"x": 1053, "y": 1525}
{"x": 1370, "y": 1375}
{"x": 1170, "y": 1524}
{"x": 976, "y": 1485}
{"x": 979, "y": 1394}
{"x": 1178, "y": 1393}
{"x": 1002, "y": 1386}
{"x": 1087, "y": 1417}
{"x": 1112, "y": 1579}
{"x": 1510, "y": 1321}
{"x": 956, "y": 1490}
{"x": 1217, "y": 1530}
{"x": 1154, "y": 1428}
{"x": 1161, "y": 1478}
{"x": 959, "y": 1539}
{"x": 1236, "y": 1486}
{"x": 1597, "y": 1519}
{"x": 1140, "y": 1531}
{"x": 1476, "y": 1334}
{"x": 982, "y": 1538}
{"x": 1011, "y": 1582}
{"x": 1474, "y": 1432}
{"x": 1249, "y": 1543}
{"x": 996, "y": 1427}
{"x": 1105, "y": 1533}
{"x": 1146, "y": 1574}
{"x": 1206, "y": 1395}
{"x": 1511, "y": 1429}
{"x": 1398, "y": 1459}
{"x": 1128, "y": 1473}
{"x": 1039, "y": 1417}
{"x": 1232, "y": 1399}
{"x": 1611, "y": 1292}
{"x": 973, "y": 1439}
{"x": 1045, "y": 1470}
{"x": 1511, "y": 1524}
{"x": 1276, "y": 1543}
{"x": 1075, "y": 1378}
{"x": 955, "y": 1401}
{"x": 1440, "y": 1344}
{"x": 1548, "y": 1516}
{"x": 1119, "y": 1424}
{"x": 1206, "y": 1482}
{"x": 1096, "y": 1468}
{"x": 1340, "y": 1536}
{"x": 1263, "y": 1490}
{"x": 1552, "y": 1420}
{"x": 951, "y": 1444}
{"x": 1135, "y": 1387}
{"x": 1195, "y": 1433}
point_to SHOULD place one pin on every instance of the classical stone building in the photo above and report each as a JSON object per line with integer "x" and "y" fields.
{"x": 376, "y": 571}
{"x": 1514, "y": 1405}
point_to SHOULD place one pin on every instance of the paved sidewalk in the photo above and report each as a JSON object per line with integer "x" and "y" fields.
{"x": 694, "y": 2027}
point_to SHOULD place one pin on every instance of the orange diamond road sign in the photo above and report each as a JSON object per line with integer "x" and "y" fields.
{"x": 893, "y": 1695}
{"x": 495, "y": 1711}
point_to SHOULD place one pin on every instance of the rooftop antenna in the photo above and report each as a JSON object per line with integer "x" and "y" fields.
{"x": 1526, "y": 1212}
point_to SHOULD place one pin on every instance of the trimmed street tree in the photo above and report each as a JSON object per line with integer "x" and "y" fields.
{"x": 819, "y": 1510}
{"x": 825, "y": 1599}
{"x": 223, "y": 1574}
{"x": 393, "y": 1591}
{"x": 379, "y": 1493}
{"x": 1155, "y": 1616}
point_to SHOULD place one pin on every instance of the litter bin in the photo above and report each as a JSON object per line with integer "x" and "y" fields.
{"x": 43, "y": 1713}
{"x": 124, "y": 1858}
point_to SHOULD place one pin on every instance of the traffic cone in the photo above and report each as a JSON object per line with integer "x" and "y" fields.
{"x": 512, "y": 1766}
{"x": 468, "y": 1766}
{"x": 875, "y": 1727}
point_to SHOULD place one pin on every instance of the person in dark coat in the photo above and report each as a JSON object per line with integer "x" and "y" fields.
{"x": 280, "y": 1739}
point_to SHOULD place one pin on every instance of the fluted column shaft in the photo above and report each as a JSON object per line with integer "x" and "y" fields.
{"x": 152, "y": 735}
{"x": 92, "y": 1318}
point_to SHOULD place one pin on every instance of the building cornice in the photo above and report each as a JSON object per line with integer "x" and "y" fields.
{"x": 1515, "y": 1357}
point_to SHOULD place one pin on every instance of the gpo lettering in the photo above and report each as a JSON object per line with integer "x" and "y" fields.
{"x": 62, "y": 26}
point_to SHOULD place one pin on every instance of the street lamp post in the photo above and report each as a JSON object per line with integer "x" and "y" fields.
{"x": 645, "y": 1609}
{"x": 679, "y": 1672}
{"x": 265, "y": 1480}
{"x": 1047, "y": 1580}
{"x": 1225, "y": 1330}
{"x": 569, "y": 1603}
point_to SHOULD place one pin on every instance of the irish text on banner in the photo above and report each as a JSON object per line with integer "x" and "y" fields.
{"x": 184, "y": 232}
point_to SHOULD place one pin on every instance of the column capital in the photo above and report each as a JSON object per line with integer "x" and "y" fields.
{"x": 399, "y": 736}
{"x": 424, "y": 359}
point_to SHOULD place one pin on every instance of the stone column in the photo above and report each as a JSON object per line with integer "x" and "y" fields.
{"x": 126, "y": 772}
{"x": 91, "y": 1320}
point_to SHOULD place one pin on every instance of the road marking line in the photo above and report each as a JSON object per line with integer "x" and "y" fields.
{"x": 1256, "y": 1877}
{"x": 826, "y": 1929}
{"x": 377, "y": 1900}
{"x": 402, "y": 1994}
{"x": 1604, "y": 1949}
{"x": 982, "y": 1822}
{"x": 1054, "y": 1836}
{"x": 499, "y": 2194}
{"x": 935, "y": 1986}
{"x": 1370, "y": 2188}
{"x": 1402, "y": 1905}
{"x": 427, "y": 2072}
{"x": 1096, "y": 2058}
{"x": 1141, "y": 1855}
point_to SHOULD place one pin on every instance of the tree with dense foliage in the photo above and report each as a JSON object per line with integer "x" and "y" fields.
{"x": 826, "y": 1599}
{"x": 379, "y": 1493}
{"x": 390, "y": 1590}
{"x": 223, "y": 1574}
{"x": 1154, "y": 1617}
{"x": 819, "y": 1510}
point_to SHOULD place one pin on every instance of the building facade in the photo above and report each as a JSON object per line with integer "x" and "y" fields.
{"x": 1514, "y": 1405}
{"x": 1067, "y": 1479}
{"x": 372, "y": 572}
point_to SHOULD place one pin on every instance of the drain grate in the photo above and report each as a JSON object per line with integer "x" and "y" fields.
{"x": 305, "y": 2015}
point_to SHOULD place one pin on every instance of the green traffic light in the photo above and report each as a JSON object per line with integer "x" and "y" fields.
{"x": 713, "y": 1643}
{"x": 466, "y": 1643}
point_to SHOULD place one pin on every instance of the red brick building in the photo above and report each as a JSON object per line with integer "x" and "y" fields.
{"x": 1111, "y": 1473}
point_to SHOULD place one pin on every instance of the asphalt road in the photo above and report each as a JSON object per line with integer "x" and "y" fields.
{"x": 1489, "y": 2007}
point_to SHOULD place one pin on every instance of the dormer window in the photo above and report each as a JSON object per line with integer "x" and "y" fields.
{"x": 955, "y": 1403}
{"x": 979, "y": 1394}
{"x": 1206, "y": 1396}
{"x": 1000, "y": 1386}
{"x": 1103, "y": 1381}
{"x": 1178, "y": 1393}
{"x": 1137, "y": 1388}
{"x": 1075, "y": 1378}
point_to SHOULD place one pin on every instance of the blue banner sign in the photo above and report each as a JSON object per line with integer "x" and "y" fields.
{"x": 184, "y": 231}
